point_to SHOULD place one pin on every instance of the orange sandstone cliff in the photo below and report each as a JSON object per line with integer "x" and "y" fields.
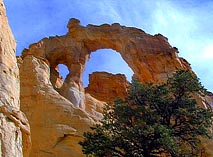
{"x": 60, "y": 111}
{"x": 14, "y": 127}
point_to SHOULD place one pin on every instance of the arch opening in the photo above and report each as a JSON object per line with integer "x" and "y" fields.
{"x": 63, "y": 71}
{"x": 106, "y": 60}
{"x": 58, "y": 75}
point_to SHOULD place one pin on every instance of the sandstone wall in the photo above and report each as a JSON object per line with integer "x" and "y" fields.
{"x": 14, "y": 127}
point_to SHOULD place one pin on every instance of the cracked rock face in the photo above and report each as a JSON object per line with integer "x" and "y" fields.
{"x": 14, "y": 127}
{"x": 60, "y": 111}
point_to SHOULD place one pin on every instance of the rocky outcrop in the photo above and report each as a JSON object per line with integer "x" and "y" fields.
{"x": 107, "y": 87}
{"x": 14, "y": 128}
{"x": 151, "y": 57}
{"x": 57, "y": 125}
{"x": 60, "y": 111}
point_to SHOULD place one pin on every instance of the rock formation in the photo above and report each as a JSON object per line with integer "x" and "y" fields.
{"x": 151, "y": 57}
{"x": 56, "y": 124}
{"x": 60, "y": 111}
{"x": 14, "y": 127}
{"x": 107, "y": 87}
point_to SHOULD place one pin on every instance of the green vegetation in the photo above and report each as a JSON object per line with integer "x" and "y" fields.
{"x": 153, "y": 120}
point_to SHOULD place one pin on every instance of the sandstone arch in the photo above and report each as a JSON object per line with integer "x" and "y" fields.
{"x": 151, "y": 58}
{"x": 58, "y": 124}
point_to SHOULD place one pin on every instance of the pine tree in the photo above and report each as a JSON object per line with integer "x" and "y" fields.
{"x": 153, "y": 120}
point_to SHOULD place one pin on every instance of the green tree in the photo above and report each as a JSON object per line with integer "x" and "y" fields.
{"x": 153, "y": 120}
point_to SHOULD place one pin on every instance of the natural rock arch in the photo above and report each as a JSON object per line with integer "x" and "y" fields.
{"x": 151, "y": 58}
{"x": 57, "y": 124}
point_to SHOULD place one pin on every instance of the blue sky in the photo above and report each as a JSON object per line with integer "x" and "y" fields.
{"x": 187, "y": 24}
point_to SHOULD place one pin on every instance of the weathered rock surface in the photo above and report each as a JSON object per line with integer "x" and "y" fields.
{"x": 94, "y": 107}
{"x": 107, "y": 87}
{"x": 59, "y": 112}
{"x": 151, "y": 57}
{"x": 56, "y": 124}
{"x": 14, "y": 128}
